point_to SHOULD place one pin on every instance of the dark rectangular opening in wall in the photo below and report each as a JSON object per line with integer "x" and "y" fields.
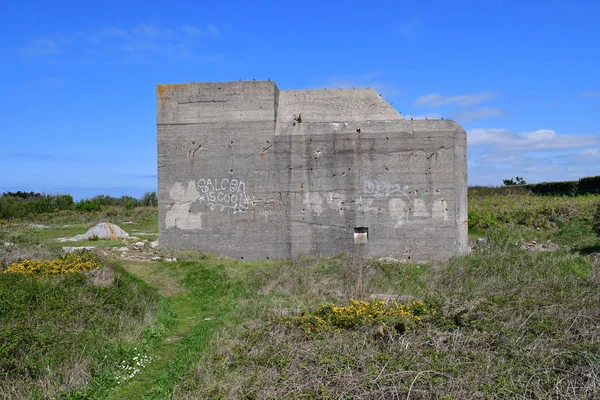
{"x": 361, "y": 235}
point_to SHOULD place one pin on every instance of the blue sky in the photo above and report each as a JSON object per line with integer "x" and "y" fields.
{"x": 78, "y": 78}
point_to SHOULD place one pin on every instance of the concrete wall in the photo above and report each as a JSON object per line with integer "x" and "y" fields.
{"x": 239, "y": 175}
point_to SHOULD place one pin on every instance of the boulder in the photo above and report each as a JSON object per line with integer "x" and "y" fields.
{"x": 103, "y": 230}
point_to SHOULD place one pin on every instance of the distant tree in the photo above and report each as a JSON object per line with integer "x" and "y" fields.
{"x": 149, "y": 199}
{"x": 518, "y": 180}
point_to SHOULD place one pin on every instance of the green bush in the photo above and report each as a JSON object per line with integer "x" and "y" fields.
{"x": 88, "y": 205}
{"x": 568, "y": 188}
{"x": 590, "y": 184}
{"x": 22, "y": 205}
{"x": 596, "y": 221}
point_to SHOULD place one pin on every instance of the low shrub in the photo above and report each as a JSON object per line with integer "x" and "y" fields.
{"x": 401, "y": 317}
{"x": 88, "y": 205}
{"x": 596, "y": 221}
{"x": 72, "y": 262}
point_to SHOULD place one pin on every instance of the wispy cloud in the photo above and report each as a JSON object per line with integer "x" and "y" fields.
{"x": 480, "y": 113}
{"x": 590, "y": 94}
{"x": 194, "y": 31}
{"x": 424, "y": 116}
{"x": 141, "y": 42}
{"x": 42, "y": 47}
{"x": 407, "y": 30}
{"x": 371, "y": 75}
{"x": 362, "y": 81}
{"x": 463, "y": 100}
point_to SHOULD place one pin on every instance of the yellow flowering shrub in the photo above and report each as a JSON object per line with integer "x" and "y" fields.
{"x": 361, "y": 313}
{"x": 69, "y": 263}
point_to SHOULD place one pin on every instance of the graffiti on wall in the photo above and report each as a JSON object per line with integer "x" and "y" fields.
{"x": 214, "y": 194}
{"x": 224, "y": 194}
{"x": 406, "y": 203}
{"x": 377, "y": 188}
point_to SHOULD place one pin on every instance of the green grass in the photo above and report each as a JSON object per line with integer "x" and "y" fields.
{"x": 61, "y": 335}
{"x": 509, "y": 323}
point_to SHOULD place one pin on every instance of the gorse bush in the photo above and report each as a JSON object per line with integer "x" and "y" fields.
{"x": 400, "y": 317}
{"x": 72, "y": 262}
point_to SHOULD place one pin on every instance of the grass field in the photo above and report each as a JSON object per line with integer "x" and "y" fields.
{"x": 514, "y": 319}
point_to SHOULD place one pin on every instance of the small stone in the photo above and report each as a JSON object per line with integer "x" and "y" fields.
{"x": 481, "y": 241}
{"x": 78, "y": 248}
{"x": 171, "y": 259}
{"x": 173, "y": 339}
{"x": 388, "y": 260}
{"x": 139, "y": 245}
{"x": 121, "y": 249}
{"x": 154, "y": 244}
{"x": 156, "y": 258}
{"x": 39, "y": 226}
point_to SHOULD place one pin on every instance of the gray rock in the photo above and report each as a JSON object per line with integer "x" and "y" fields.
{"x": 78, "y": 248}
{"x": 121, "y": 249}
{"x": 154, "y": 245}
{"x": 390, "y": 260}
{"x": 156, "y": 258}
{"x": 389, "y": 298}
{"x": 139, "y": 246}
{"x": 171, "y": 259}
{"x": 103, "y": 230}
{"x": 39, "y": 226}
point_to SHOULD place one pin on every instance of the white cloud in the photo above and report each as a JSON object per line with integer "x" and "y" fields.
{"x": 480, "y": 113}
{"x": 463, "y": 100}
{"x": 540, "y": 140}
{"x": 540, "y": 155}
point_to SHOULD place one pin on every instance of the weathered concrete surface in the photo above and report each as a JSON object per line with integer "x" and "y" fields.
{"x": 239, "y": 175}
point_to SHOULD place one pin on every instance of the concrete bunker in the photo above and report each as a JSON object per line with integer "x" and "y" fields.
{"x": 252, "y": 172}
